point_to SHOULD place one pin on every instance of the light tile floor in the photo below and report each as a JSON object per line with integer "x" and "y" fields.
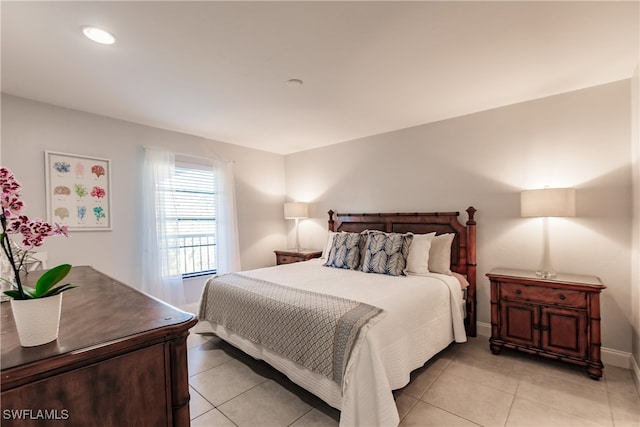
{"x": 465, "y": 385}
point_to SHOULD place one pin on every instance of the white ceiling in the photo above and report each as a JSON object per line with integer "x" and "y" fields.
{"x": 218, "y": 69}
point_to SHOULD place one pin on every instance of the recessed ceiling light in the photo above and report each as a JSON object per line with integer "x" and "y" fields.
{"x": 294, "y": 83}
{"x": 98, "y": 35}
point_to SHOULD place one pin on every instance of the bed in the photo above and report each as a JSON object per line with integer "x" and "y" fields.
{"x": 352, "y": 332}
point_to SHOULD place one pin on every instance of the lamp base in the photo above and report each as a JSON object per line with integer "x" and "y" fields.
{"x": 545, "y": 270}
{"x": 546, "y": 274}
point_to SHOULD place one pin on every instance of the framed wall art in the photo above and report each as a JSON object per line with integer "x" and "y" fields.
{"x": 78, "y": 191}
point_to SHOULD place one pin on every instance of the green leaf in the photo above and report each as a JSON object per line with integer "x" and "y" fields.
{"x": 58, "y": 289}
{"x": 13, "y": 294}
{"x": 29, "y": 292}
{"x": 50, "y": 278}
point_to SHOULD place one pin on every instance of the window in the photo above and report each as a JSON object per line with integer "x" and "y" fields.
{"x": 192, "y": 232}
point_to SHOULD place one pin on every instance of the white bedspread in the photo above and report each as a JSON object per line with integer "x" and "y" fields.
{"x": 422, "y": 316}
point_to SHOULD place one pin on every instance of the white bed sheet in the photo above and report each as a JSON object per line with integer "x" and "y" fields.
{"x": 422, "y": 316}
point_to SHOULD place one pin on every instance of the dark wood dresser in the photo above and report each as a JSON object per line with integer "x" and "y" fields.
{"x": 557, "y": 318}
{"x": 291, "y": 255}
{"x": 120, "y": 360}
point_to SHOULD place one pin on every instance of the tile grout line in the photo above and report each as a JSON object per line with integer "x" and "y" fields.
{"x": 244, "y": 392}
{"x": 436, "y": 406}
{"x": 513, "y": 401}
{"x": 211, "y": 409}
{"x": 301, "y": 416}
{"x": 410, "y": 409}
{"x": 613, "y": 421}
{"x": 210, "y": 368}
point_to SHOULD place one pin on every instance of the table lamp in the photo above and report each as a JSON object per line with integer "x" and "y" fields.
{"x": 296, "y": 210}
{"x": 545, "y": 203}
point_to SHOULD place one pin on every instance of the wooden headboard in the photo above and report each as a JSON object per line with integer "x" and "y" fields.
{"x": 463, "y": 248}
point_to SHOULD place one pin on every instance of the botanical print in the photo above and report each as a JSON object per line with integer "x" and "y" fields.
{"x": 97, "y": 170}
{"x": 79, "y": 170}
{"x": 61, "y": 167}
{"x": 98, "y": 192}
{"x": 78, "y": 191}
{"x": 82, "y": 211}
{"x": 98, "y": 212}
{"x": 62, "y": 190}
{"x": 62, "y": 213}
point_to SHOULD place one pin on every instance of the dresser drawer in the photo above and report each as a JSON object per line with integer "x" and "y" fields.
{"x": 564, "y": 297}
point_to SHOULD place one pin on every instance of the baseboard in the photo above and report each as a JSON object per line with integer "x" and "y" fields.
{"x": 635, "y": 373}
{"x": 618, "y": 358}
{"x": 483, "y": 329}
{"x": 609, "y": 356}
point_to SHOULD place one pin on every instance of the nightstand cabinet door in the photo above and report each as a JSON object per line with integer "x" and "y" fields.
{"x": 564, "y": 331}
{"x": 520, "y": 323}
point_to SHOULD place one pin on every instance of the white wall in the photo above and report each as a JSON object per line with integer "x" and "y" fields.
{"x": 29, "y": 128}
{"x": 580, "y": 139}
{"x": 635, "y": 257}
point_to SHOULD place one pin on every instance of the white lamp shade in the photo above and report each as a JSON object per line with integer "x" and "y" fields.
{"x": 548, "y": 202}
{"x": 296, "y": 210}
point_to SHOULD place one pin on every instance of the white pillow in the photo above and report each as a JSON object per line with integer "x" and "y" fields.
{"x": 440, "y": 254}
{"x": 418, "y": 258}
{"x": 328, "y": 245}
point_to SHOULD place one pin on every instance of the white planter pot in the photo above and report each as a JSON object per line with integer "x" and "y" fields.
{"x": 37, "y": 320}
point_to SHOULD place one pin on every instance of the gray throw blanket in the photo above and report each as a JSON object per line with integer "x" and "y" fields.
{"x": 315, "y": 330}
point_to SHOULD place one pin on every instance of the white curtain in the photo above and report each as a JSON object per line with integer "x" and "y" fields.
{"x": 159, "y": 251}
{"x": 226, "y": 222}
{"x": 158, "y": 219}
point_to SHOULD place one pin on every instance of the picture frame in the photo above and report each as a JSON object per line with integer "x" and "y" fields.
{"x": 78, "y": 191}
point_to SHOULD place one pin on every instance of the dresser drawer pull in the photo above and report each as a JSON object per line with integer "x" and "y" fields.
{"x": 562, "y": 297}
{"x": 518, "y": 291}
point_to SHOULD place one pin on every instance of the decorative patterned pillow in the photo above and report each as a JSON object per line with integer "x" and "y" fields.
{"x": 364, "y": 241}
{"x": 386, "y": 253}
{"x": 345, "y": 251}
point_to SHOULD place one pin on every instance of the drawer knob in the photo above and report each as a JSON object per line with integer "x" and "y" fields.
{"x": 518, "y": 291}
{"x": 562, "y": 297}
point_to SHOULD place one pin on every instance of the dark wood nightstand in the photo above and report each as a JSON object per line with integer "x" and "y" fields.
{"x": 291, "y": 255}
{"x": 558, "y": 318}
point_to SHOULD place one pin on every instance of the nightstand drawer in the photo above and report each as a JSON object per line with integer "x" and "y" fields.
{"x": 564, "y": 297}
{"x": 289, "y": 257}
{"x": 286, "y": 259}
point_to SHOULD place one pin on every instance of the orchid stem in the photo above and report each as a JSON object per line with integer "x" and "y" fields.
{"x": 6, "y": 247}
